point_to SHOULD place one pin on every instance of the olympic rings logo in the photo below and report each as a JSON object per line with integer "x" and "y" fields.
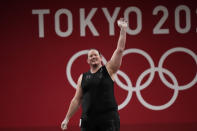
{"x": 138, "y": 87}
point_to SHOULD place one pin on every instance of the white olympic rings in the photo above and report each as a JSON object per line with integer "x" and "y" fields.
{"x": 129, "y": 87}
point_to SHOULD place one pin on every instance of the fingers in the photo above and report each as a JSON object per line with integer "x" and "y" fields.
{"x": 123, "y": 20}
{"x": 64, "y": 126}
{"x": 122, "y": 23}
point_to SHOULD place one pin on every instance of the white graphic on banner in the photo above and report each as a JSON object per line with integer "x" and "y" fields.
{"x": 130, "y": 88}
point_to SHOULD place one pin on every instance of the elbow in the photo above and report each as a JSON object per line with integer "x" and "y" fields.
{"x": 120, "y": 50}
{"x": 76, "y": 102}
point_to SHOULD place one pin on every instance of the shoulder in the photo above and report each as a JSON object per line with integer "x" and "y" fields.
{"x": 80, "y": 79}
{"x": 108, "y": 68}
{"x": 110, "y": 71}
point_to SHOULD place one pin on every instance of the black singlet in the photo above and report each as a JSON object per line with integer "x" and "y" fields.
{"x": 98, "y": 92}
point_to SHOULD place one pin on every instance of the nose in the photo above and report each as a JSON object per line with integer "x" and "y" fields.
{"x": 93, "y": 57}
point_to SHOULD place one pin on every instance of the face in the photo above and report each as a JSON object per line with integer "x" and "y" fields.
{"x": 94, "y": 58}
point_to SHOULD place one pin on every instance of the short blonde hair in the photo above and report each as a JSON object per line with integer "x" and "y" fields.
{"x": 96, "y": 50}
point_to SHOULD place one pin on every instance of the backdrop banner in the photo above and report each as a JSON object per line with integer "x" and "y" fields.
{"x": 43, "y": 50}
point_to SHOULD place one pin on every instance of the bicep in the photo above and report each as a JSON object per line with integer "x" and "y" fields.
{"x": 115, "y": 61}
{"x": 78, "y": 93}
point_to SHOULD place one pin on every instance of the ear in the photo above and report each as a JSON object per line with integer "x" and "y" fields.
{"x": 101, "y": 57}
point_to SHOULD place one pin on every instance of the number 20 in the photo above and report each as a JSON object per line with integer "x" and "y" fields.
{"x": 158, "y": 30}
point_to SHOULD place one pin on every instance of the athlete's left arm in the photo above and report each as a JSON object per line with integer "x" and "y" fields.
{"x": 115, "y": 62}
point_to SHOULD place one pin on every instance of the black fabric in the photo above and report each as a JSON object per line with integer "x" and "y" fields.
{"x": 98, "y": 92}
{"x": 106, "y": 122}
{"x": 99, "y": 107}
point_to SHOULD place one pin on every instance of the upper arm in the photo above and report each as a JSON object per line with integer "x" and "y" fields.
{"x": 78, "y": 93}
{"x": 115, "y": 62}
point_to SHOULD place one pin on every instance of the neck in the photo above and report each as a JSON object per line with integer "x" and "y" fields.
{"x": 95, "y": 68}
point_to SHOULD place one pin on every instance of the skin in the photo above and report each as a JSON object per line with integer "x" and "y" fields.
{"x": 94, "y": 60}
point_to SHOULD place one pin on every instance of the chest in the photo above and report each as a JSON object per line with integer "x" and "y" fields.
{"x": 93, "y": 80}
